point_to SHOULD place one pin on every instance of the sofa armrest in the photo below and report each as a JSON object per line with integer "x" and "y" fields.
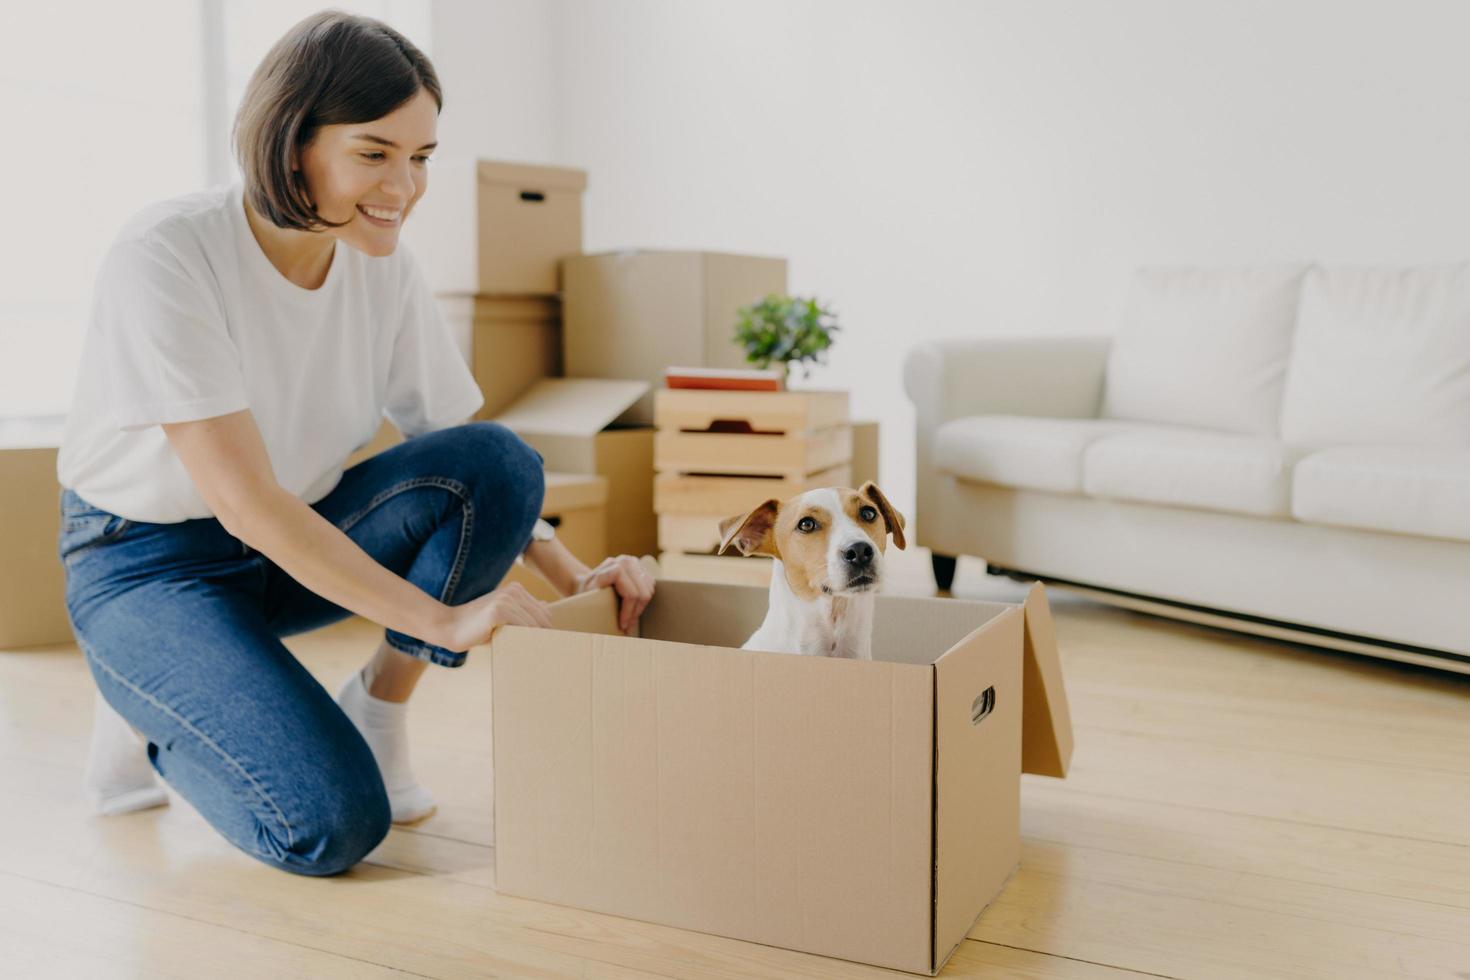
{"x": 1059, "y": 377}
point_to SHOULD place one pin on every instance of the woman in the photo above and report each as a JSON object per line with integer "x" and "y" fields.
{"x": 244, "y": 342}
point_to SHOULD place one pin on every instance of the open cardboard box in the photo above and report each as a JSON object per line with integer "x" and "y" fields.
{"x": 574, "y": 423}
{"x": 866, "y": 810}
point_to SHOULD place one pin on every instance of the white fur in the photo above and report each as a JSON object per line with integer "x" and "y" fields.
{"x": 835, "y": 624}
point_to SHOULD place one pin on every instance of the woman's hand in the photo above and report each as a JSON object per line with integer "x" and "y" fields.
{"x": 629, "y": 579}
{"x": 473, "y": 623}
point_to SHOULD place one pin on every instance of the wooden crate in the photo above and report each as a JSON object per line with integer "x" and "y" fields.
{"x": 696, "y": 410}
{"x": 795, "y": 453}
{"x": 725, "y": 496}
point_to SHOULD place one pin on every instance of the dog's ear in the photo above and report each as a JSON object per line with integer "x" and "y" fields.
{"x": 753, "y": 533}
{"x": 891, "y": 517}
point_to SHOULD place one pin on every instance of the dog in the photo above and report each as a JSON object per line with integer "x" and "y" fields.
{"x": 828, "y": 548}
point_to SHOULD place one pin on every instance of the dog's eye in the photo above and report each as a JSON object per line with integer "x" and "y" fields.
{"x": 868, "y": 514}
{"x": 806, "y": 525}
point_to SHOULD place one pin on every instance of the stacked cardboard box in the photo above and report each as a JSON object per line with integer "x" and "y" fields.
{"x": 572, "y": 423}
{"x": 632, "y": 314}
{"x": 491, "y": 239}
{"x": 719, "y": 454}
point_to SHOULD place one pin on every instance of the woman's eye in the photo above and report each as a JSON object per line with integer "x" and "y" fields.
{"x": 421, "y": 159}
{"x": 806, "y": 524}
{"x": 868, "y": 514}
{"x": 377, "y": 155}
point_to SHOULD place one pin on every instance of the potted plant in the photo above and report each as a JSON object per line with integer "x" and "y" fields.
{"x": 785, "y": 330}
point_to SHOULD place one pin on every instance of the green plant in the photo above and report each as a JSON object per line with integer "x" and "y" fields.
{"x": 785, "y": 329}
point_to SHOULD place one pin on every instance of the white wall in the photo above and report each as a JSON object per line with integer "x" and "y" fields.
{"x": 497, "y": 66}
{"x": 941, "y": 168}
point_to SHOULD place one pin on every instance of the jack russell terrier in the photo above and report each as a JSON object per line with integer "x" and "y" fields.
{"x": 828, "y": 548}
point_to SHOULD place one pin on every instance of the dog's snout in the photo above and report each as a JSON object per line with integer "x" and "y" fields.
{"x": 858, "y": 554}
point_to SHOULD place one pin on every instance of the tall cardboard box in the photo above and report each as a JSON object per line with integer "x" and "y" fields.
{"x": 865, "y": 810}
{"x": 632, "y": 314}
{"x": 494, "y": 227}
{"x": 570, "y": 422}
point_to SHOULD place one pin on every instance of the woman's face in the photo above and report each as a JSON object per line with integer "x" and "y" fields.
{"x": 371, "y": 174}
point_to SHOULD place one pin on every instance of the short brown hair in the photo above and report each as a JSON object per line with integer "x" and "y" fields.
{"x": 332, "y": 68}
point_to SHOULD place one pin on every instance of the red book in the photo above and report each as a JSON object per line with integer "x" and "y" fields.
{"x": 724, "y": 379}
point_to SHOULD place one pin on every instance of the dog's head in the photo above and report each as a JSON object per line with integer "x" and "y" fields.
{"x": 830, "y": 541}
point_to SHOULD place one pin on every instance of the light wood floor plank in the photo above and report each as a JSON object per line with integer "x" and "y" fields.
{"x": 1356, "y": 861}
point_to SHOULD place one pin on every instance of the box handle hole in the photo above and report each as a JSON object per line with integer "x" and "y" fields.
{"x": 532, "y": 196}
{"x": 740, "y": 427}
{"x": 983, "y": 705}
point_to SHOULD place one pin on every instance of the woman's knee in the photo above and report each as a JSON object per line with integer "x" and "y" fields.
{"x": 513, "y": 473}
{"x": 348, "y": 824}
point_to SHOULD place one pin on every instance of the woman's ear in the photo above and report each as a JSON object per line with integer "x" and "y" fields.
{"x": 753, "y": 533}
{"x": 891, "y": 517}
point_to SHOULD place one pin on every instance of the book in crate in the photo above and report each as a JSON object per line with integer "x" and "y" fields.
{"x": 724, "y": 379}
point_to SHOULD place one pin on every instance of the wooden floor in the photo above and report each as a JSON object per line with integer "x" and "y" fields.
{"x": 1237, "y": 807}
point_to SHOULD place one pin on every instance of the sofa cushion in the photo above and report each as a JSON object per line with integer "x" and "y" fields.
{"x": 1018, "y": 451}
{"x": 1382, "y": 357}
{"x": 1204, "y": 347}
{"x": 1404, "y": 489}
{"x": 1192, "y": 468}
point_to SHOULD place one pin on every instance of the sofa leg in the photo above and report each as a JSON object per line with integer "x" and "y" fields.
{"x": 943, "y": 570}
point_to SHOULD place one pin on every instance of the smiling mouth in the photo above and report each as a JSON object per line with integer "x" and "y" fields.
{"x": 379, "y": 219}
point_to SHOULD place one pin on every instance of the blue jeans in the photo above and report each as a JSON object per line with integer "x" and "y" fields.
{"x": 181, "y": 626}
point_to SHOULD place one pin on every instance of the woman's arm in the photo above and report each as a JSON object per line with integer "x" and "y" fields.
{"x": 553, "y": 562}
{"x": 227, "y": 460}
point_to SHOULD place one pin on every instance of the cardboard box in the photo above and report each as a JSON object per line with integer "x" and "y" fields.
{"x": 570, "y": 421}
{"x": 576, "y": 505}
{"x": 32, "y": 581}
{"x": 633, "y": 314}
{"x": 866, "y": 810}
{"x": 514, "y": 341}
{"x": 493, "y": 227}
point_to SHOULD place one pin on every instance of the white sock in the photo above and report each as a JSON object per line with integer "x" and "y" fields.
{"x": 119, "y": 777}
{"x": 384, "y": 726}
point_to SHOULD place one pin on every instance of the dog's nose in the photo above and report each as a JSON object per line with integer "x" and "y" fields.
{"x": 859, "y": 555}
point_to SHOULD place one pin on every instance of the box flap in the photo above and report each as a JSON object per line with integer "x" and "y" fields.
{"x": 978, "y": 708}
{"x": 589, "y": 612}
{"x": 571, "y": 406}
{"x": 1046, "y": 736}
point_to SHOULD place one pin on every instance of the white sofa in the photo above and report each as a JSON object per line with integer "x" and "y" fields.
{"x": 1284, "y": 450}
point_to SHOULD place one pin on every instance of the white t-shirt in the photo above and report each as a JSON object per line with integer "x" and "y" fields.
{"x": 190, "y": 320}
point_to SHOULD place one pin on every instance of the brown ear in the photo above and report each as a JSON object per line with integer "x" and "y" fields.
{"x": 891, "y": 517}
{"x": 752, "y": 533}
